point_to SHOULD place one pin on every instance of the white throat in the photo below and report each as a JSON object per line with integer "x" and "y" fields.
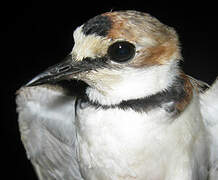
{"x": 134, "y": 83}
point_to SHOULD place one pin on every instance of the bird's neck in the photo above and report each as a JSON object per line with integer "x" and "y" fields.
{"x": 162, "y": 86}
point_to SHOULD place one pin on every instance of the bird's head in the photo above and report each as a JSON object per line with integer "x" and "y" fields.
{"x": 120, "y": 55}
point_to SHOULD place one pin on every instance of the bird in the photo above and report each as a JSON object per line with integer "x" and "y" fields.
{"x": 138, "y": 117}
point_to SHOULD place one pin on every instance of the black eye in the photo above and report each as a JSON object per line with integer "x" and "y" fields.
{"x": 121, "y": 51}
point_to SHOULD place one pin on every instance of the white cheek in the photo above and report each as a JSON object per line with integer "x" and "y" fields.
{"x": 134, "y": 83}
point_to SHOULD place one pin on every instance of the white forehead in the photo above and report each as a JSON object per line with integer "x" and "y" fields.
{"x": 89, "y": 45}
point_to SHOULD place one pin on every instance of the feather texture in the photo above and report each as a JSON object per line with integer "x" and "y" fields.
{"x": 209, "y": 110}
{"x": 46, "y": 120}
{"x": 74, "y": 141}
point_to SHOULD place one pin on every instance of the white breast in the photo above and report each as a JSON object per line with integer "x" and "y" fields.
{"x": 116, "y": 144}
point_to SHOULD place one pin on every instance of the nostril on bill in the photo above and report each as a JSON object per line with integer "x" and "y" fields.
{"x": 63, "y": 68}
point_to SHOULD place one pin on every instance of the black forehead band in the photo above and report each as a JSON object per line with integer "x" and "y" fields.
{"x": 99, "y": 25}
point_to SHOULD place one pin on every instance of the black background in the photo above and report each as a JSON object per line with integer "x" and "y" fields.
{"x": 37, "y": 34}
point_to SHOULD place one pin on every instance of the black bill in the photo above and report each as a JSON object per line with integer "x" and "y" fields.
{"x": 56, "y": 73}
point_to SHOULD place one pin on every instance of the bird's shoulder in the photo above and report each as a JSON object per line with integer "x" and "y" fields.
{"x": 208, "y": 96}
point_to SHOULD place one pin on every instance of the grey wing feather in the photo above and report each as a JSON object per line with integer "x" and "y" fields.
{"x": 47, "y": 126}
{"x": 209, "y": 110}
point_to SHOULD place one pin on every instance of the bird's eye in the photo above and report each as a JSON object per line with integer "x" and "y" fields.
{"x": 121, "y": 51}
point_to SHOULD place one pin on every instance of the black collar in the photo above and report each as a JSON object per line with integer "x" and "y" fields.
{"x": 167, "y": 99}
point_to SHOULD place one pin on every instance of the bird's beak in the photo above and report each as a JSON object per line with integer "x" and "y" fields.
{"x": 56, "y": 73}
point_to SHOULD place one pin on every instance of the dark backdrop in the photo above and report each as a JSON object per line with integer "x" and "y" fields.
{"x": 38, "y": 34}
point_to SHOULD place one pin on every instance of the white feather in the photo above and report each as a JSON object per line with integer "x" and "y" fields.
{"x": 132, "y": 83}
{"x": 46, "y": 121}
{"x": 90, "y": 46}
{"x": 116, "y": 144}
{"x": 209, "y": 110}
